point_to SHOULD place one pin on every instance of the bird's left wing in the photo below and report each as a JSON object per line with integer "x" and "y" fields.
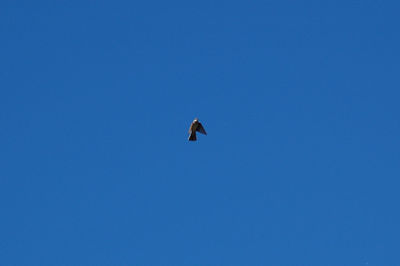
{"x": 200, "y": 128}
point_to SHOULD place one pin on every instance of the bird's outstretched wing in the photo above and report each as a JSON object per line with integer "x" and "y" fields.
{"x": 200, "y": 128}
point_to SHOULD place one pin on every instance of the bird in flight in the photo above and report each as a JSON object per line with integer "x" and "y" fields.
{"x": 195, "y": 126}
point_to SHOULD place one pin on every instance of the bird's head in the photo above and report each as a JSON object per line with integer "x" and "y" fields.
{"x": 196, "y": 120}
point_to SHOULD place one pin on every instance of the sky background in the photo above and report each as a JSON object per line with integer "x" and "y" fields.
{"x": 301, "y": 163}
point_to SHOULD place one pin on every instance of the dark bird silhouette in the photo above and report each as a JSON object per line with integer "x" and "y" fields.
{"x": 195, "y": 126}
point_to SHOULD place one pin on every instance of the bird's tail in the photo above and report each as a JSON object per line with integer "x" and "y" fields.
{"x": 192, "y": 136}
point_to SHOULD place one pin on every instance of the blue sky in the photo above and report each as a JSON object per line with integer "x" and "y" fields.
{"x": 300, "y": 101}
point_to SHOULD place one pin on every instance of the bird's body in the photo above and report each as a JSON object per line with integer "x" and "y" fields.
{"x": 195, "y": 126}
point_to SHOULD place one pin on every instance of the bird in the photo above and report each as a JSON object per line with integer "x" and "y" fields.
{"x": 195, "y": 126}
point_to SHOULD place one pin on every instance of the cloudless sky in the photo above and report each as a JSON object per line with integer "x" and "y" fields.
{"x": 300, "y": 100}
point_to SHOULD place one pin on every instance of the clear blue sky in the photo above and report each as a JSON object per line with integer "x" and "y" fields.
{"x": 301, "y": 163}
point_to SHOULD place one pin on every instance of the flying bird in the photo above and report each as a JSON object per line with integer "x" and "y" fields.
{"x": 195, "y": 126}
